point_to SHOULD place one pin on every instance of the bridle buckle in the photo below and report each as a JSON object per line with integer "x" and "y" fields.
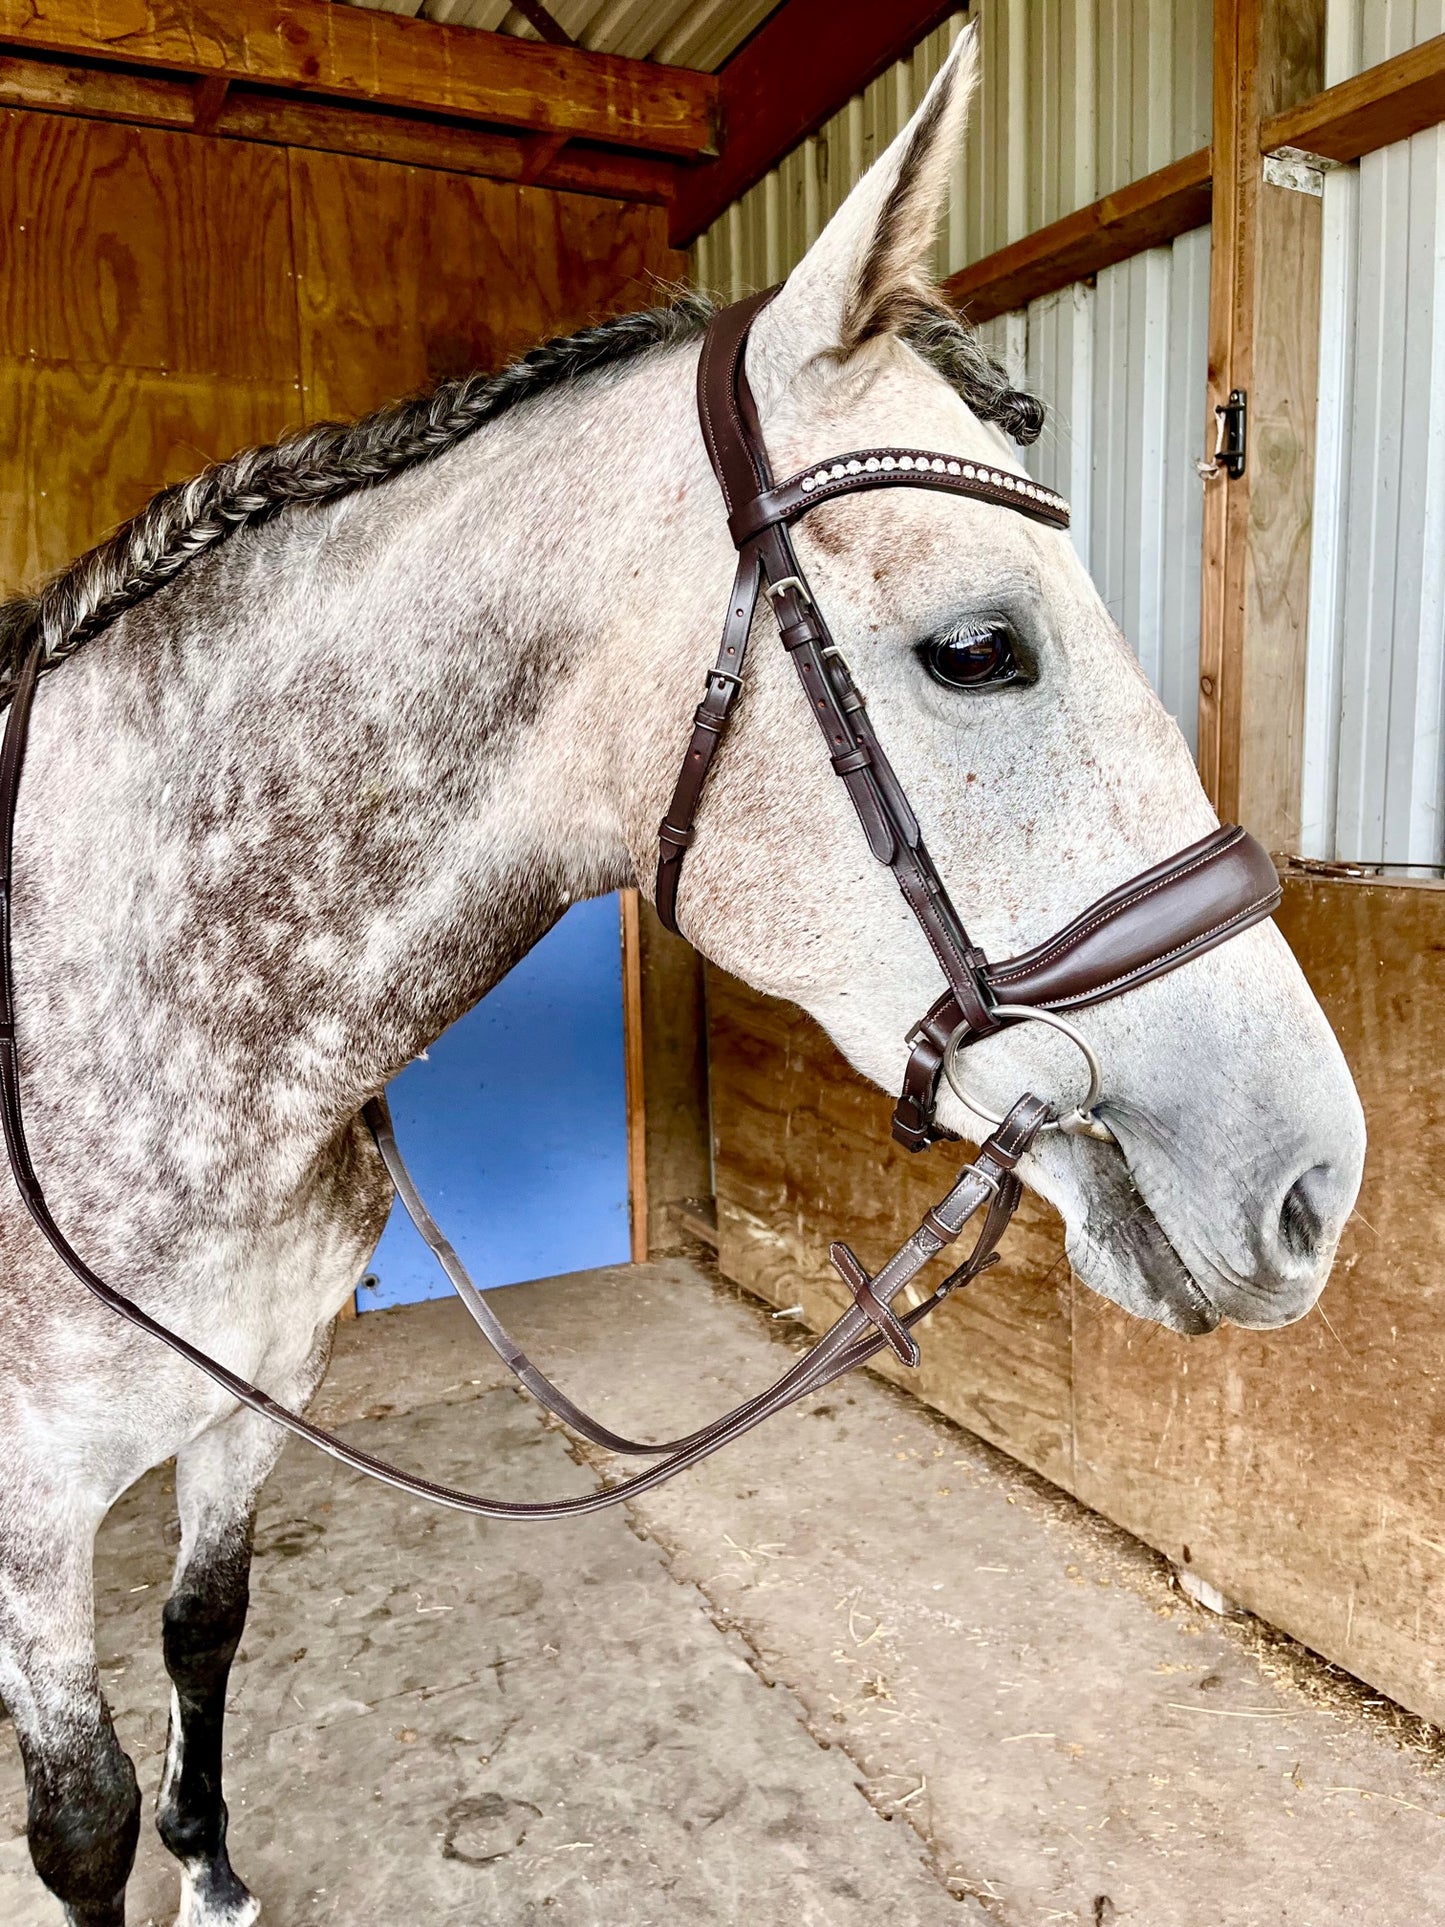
{"x": 798, "y": 586}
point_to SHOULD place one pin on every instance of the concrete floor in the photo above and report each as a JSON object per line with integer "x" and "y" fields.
{"x": 859, "y": 1669}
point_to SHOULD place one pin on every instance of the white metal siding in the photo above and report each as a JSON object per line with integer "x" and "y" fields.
{"x": 1122, "y": 366}
{"x": 1362, "y": 33}
{"x": 1078, "y": 97}
{"x": 1374, "y": 778}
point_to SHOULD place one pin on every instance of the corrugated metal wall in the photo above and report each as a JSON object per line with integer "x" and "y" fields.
{"x": 1374, "y": 787}
{"x": 1122, "y": 365}
{"x": 1362, "y": 33}
{"x": 1078, "y": 97}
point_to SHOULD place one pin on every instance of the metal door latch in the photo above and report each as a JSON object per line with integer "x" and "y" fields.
{"x": 1230, "y": 419}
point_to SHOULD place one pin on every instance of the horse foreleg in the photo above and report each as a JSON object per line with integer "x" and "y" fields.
{"x": 218, "y": 1480}
{"x": 201, "y": 1629}
{"x": 83, "y": 1801}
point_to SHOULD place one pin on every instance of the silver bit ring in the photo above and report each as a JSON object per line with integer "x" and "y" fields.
{"x": 1079, "y": 1122}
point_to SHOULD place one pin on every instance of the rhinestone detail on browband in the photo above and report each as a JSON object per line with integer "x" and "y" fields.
{"x": 970, "y": 471}
{"x": 867, "y": 468}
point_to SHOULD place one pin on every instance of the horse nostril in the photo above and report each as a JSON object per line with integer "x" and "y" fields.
{"x": 1302, "y": 1216}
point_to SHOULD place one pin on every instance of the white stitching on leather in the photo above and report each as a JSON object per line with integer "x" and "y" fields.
{"x": 1060, "y": 946}
{"x": 1154, "y": 964}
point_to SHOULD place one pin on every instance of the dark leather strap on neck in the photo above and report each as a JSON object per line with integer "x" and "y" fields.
{"x": 729, "y": 421}
{"x": 734, "y": 444}
{"x": 709, "y": 726}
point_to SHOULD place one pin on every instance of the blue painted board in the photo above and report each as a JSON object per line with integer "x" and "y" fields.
{"x": 514, "y": 1125}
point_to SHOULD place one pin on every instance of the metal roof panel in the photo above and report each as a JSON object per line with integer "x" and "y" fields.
{"x": 678, "y": 33}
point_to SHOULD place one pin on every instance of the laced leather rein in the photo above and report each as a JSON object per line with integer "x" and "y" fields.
{"x": 1149, "y": 925}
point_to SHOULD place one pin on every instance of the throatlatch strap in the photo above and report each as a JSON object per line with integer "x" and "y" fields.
{"x": 709, "y": 726}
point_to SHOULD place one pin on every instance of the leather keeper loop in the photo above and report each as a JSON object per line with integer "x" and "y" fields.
{"x": 676, "y": 839}
{"x": 911, "y": 1128}
{"x": 851, "y": 759}
{"x": 938, "y": 1228}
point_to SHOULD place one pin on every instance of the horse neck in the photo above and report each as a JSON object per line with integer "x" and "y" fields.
{"x": 299, "y": 812}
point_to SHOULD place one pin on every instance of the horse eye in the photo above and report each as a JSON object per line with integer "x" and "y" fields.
{"x": 973, "y": 658}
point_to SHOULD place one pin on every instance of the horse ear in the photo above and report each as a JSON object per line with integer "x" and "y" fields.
{"x": 868, "y": 273}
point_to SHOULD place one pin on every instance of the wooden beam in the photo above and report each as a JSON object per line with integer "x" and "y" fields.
{"x": 1374, "y": 109}
{"x": 210, "y": 98}
{"x": 357, "y": 53}
{"x": 1146, "y": 214}
{"x": 669, "y": 1129}
{"x": 805, "y": 63}
{"x": 281, "y": 120}
{"x": 1264, "y": 340}
{"x": 634, "y": 1076}
{"x": 1233, "y": 227}
{"x": 543, "y": 150}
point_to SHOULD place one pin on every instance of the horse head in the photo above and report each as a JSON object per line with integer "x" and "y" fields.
{"x": 1043, "y": 770}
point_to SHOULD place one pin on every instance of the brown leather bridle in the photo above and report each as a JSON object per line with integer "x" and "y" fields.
{"x": 1149, "y": 925}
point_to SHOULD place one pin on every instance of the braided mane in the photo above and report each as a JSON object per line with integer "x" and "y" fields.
{"x": 334, "y": 459}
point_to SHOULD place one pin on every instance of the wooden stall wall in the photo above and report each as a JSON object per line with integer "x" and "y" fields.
{"x": 166, "y": 298}
{"x": 1303, "y": 1471}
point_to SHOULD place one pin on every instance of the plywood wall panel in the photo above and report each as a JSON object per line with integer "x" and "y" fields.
{"x": 667, "y": 1102}
{"x": 406, "y": 275}
{"x": 138, "y": 248}
{"x": 86, "y": 447}
{"x": 166, "y": 300}
{"x": 1305, "y": 1469}
{"x": 584, "y": 258}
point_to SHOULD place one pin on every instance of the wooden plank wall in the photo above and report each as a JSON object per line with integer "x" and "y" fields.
{"x": 1264, "y": 308}
{"x": 670, "y": 1144}
{"x": 167, "y": 298}
{"x": 1302, "y": 1472}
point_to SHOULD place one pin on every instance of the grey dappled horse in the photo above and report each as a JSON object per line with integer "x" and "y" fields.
{"x": 357, "y": 717}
